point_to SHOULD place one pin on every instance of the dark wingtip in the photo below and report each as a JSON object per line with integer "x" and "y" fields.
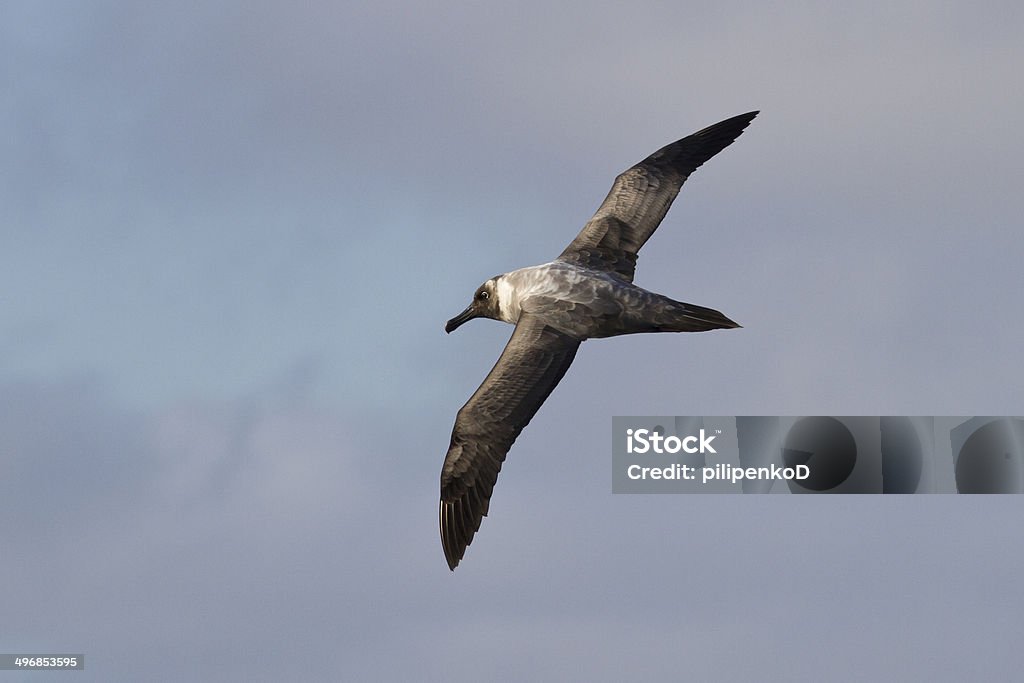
{"x": 690, "y": 153}
{"x": 730, "y": 128}
{"x": 451, "y": 545}
{"x": 736, "y": 124}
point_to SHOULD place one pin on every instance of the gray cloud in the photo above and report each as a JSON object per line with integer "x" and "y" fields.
{"x": 234, "y": 232}
{"x": 258, "y": 537}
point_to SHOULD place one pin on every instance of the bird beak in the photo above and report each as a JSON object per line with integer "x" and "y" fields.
{"x": 465, "y": 316}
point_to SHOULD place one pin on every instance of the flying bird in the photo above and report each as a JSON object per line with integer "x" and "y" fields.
{"x": 586, "y": 292}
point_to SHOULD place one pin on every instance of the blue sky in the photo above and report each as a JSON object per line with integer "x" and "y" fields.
{"x": 233, "y": 233}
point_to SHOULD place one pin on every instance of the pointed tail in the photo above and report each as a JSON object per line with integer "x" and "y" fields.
{"x": 692, "y": 318}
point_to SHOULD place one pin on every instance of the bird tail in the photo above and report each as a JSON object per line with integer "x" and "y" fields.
{"x": 691, "y": 318}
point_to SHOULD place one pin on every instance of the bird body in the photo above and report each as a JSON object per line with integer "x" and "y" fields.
{"x": 585, "y": 303}
{"x": 587, "y": 292}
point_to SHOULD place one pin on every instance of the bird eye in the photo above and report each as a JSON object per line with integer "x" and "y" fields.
{"x": 483, "y": 296}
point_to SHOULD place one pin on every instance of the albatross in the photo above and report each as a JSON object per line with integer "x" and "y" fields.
{"x": 587, "y": 292}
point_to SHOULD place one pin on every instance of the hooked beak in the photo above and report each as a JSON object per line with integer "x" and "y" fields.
{"x": 465, "y": 316}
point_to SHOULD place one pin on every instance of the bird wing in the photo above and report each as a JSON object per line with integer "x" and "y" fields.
{"x": 642, "y": 195}
{"x": 534, "y": 360}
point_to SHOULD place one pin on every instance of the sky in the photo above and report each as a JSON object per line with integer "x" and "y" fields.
{"x": 232, "y": 233}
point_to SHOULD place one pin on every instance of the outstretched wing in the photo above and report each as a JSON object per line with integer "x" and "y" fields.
{"x": 533, "y": 362}
{"x": 642, "y": 195}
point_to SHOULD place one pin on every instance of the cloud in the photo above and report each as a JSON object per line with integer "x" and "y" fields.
{"x": 234, "y": 232}
{"x": 279, "y": 527}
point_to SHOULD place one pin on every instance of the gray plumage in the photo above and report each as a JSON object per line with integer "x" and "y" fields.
{"x": 586, "y": 292}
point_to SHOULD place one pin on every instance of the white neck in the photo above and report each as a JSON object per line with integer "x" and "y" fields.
{"x": 508, "y": 300}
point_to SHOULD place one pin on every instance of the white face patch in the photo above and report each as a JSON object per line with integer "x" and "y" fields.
{"x": 508, "y": 300}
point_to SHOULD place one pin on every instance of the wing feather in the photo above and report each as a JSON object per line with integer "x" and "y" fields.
{"x": 533, "y": 362}
{"x": 642, "y": 195}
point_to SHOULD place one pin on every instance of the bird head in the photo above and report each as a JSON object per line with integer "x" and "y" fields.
{"x": 483, "y": 305}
